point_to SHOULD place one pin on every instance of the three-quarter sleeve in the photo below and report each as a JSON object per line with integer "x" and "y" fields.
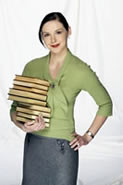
{"x": 94, "y": 87}
{"x": 13, "y": 107}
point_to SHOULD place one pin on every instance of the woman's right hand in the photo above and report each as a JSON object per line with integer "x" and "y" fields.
{"x": 36, "y": 125}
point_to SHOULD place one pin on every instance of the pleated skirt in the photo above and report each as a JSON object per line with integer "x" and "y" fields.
{"x": 49, "y": 161}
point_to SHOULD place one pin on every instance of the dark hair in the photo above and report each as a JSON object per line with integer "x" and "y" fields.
{"x": 53, "y": 16}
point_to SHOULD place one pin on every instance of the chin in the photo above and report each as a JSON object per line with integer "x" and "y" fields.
{"x": 58, "y": 50}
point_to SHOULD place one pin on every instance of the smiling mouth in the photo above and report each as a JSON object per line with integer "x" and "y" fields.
{"x": 55, "y": 45}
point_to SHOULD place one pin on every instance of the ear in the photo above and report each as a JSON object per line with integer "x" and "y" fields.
{"x": 69, "y": 31}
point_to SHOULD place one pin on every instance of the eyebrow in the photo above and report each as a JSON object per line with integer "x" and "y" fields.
{"x": 55, "y": 30}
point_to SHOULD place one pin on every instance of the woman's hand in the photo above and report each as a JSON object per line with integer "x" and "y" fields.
{"x": 36, "y": 125}
{"x": 79, "y": 141}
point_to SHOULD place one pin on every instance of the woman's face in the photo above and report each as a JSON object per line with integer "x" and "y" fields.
{"x": 55, "y": 36}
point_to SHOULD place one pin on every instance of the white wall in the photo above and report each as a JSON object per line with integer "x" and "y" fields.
{"x": 97, "y": 39}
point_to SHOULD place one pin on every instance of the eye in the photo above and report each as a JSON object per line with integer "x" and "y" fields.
{"x": 59, "y": 32}
{"x": 46, "y": 34}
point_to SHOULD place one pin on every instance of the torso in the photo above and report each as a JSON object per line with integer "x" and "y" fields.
{"x": 56, "y": 63}
{"x": 54, "y": 70}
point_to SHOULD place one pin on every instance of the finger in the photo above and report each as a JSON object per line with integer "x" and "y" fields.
{"x": 74, "y": 134}
{"x": 73, "y": 141}
{"x": 75, "y": 144}
{"x": 41, "y": 116}
{"x": 41, "y": 124}
{"x": 37, "y": 119}
{"x": 79, "y": 139}
{"x": 76, "y": 148}
{"x": 41, "y": 119}
{"x": 41, "y": 127}
{"x": 29, "y": 123}
{"x": 31, "y": 127}
{"x": 82, "y": 141}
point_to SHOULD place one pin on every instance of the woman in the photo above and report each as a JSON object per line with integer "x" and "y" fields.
{"x": 51, "y": 154}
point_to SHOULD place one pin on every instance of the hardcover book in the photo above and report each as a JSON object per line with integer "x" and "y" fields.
{"x": 33, "y": 112}
{"x": 27, "y": 94}
{"x": 30, "y": 116}
{"x": 30, "y": 89}
{"x": 34, "y": 107}
{"x": 29, "y": 84}
{"x": 31, "y": 95}
{"x": 27, "y": 120}
{"x": 27, "y": 100}
{"x": 32, "y": 80}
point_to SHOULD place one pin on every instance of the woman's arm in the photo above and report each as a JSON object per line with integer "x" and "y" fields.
{"x": 86, "y": 138}
{"x": 91, "y": 84}
{"x": 97, "y": 124}
{"x": 36, "y": 125}
{"x": 13, "y": 119}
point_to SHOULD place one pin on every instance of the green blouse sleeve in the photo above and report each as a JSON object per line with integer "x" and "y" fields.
{"x": 13, "y": 106}
{"x": 94, "y": 87}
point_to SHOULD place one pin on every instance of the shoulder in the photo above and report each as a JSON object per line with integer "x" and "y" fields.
{"x": 83, "y": 70}
{"x": 81, "y": 65}
{"x": 34, "y": 66}
{"x": 36, "y": 61}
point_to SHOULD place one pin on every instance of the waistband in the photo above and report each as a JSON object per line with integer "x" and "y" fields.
{"x": 46, "y": 138}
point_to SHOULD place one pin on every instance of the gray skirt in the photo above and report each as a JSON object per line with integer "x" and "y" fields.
{"x": 49, "y": 161}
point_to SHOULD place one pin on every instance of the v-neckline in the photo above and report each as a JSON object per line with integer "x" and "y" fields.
{"x": 60, "y": 70}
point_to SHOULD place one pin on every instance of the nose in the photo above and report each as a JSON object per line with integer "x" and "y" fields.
{"x": 53, "y": 39}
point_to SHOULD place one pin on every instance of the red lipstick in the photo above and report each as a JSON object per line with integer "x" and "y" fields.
{"x": 55, "y": 45}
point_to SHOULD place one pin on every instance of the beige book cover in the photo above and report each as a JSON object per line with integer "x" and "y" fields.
{"x": 32, "y": 80}
{"x": 26, "y": 100}
{"x": 30, "y": 89}
{"x": 27, "y": 94}
{"x": 29, "y": 84}
{"x": 31, "y": 116}
{"x": 35, "y": 107}
{"x": 27, "y": 120}
{"x": 33, "y": 112}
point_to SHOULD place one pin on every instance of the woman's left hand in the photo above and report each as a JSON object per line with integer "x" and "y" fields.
{"x": 79, "y": 141}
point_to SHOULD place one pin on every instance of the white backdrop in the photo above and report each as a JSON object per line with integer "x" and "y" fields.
{"x": 97, "y": 39}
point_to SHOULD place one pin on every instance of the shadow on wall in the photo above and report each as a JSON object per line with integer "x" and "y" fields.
{"x": 118, "y": 181}
{"x": 80, "y": 182}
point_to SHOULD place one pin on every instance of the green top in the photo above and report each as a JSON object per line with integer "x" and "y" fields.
{"x": 74, "y": 76}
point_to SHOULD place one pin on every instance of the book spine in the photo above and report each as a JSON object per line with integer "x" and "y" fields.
{"x": 31, "y": 79}
{"x": 27, "y": 94}
{"x": 34, "y": 112}
{"x": 30, "y": 89}
{"x": 29, "y": 84}
{"x": 24, "y": 120}
{"x": 27, "y": 100}
{"x": 35, "y": 107}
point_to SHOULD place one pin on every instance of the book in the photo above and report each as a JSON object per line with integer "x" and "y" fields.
{"x": 26, "y": 100}
{"x": 30, "y": 89}
{"x": 29, "y": 84}
{"x": 24, "y": 120}
{"x": 32, "y": 80}
{"x": 35, "y": 107}
{"x": 33, "y": 112}
{"x": 27, "y": 94}
{"x": 21, "y": 114}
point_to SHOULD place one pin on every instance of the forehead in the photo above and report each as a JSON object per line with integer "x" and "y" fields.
{"x": 52, "y": 25}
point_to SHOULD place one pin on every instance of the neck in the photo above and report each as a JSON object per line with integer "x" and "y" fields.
{"x": 58, "y": 57}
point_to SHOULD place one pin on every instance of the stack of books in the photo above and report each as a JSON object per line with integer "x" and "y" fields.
{"x": 31, "y": 95}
